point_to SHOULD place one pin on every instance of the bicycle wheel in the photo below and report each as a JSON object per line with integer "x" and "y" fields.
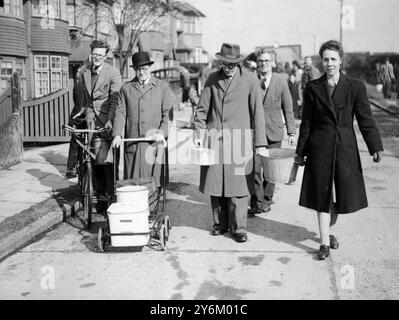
{"x": 87, "y": 193}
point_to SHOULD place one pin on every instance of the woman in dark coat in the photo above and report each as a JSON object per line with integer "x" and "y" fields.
{"x": 333, "y": 180}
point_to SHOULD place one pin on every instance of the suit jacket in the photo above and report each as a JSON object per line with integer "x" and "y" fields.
{"x": 278, "y": 103}
{"x": 232, "y": 116}
{"x": 327, "y": 138}
{"x": 100, "y": 101}
{"x": 142, "y": 112}
{"x": 386, "y": 72}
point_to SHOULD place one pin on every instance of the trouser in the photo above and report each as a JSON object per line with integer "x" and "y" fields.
{"x": 386, "y": 88}
{"x": 72, "y": 154}
{"x": 230, "y": 212}
{"x": 264, "y": 190}
{"x": 103, "y": 179}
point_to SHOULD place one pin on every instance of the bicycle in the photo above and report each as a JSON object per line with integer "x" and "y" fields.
{"x": 85, "y": 177}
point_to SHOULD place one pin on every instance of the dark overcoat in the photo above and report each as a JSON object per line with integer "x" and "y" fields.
{"x": 327, "y": 138}
{"x": 232, "y": 116}
{"x": 142, "y": 112}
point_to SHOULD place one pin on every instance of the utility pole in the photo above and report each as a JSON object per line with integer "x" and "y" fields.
{"x": 340, "y": 20}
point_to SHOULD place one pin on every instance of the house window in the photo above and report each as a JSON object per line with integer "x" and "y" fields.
{"x": 56, "y": 77}
{"x": 17, "y": 8}
{"x": 65, "y": 78}
{"x": 49, "y": 9}
{"x": 12, "y": 7}
{"x": 7, "y": 7}
{"x": 51, "y": 74}
{"x": 41, "y": 76}
{"x": 8, "y": 67}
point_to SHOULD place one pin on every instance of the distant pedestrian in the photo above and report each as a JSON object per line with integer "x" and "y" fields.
{"x": 333, "y": 181}
{"x": 287, "y": 68}
{"x": 250, "y": 65}
{"x": 386, "y": 77}
{"x": 293, "y": 86}
{"x": 310, "y": 72}
{"x": 204, "y": 74}
{"x": 297, "y": 70}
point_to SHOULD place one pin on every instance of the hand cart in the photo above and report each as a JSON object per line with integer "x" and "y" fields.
{"x": 159, "y": 224}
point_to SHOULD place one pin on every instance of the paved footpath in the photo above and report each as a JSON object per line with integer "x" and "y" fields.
{"x": 278, "y": 261}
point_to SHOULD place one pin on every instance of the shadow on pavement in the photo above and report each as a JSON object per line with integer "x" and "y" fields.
{"x": 192, "y": 209}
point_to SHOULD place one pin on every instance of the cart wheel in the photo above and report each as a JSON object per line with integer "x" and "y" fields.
{"x": 101, "y": 239}
{"x": 166, "y": 222}
{"x": 162, "y": 237}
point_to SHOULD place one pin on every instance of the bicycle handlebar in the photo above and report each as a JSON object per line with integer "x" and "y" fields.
{"x": 72, "y": 129}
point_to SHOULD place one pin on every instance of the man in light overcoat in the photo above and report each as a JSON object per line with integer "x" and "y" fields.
{"x": 143, "y": 110}
{"x": 230, "y": 112}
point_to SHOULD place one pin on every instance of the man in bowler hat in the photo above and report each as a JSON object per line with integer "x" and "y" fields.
{"x": 143, "y": 110}
{"x": 230, "y": 113}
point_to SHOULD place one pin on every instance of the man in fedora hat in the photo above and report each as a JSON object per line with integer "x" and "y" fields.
{"x": 143, "y": 110}
{"x": 230, "y": 114}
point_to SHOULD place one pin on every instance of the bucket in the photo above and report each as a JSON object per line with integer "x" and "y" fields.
{"x": 278, "y": 165}
{"x": 128, "y": 227}
{"x": 137, "y": 196}
{"x": 203, "y": 156}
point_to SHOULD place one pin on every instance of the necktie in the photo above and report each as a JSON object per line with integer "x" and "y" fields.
{"x": 263, "y": 84}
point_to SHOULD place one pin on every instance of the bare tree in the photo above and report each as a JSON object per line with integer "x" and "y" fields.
{"x": 127, "y": 20}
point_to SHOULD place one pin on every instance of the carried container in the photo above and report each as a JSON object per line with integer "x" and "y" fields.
{"x": 203, "y": 156}
{"x": 279, "y": 165}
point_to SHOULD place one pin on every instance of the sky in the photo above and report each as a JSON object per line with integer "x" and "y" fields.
{"x": 369, "y": 25}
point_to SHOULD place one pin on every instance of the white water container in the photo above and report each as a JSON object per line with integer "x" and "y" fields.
{"x": 203, "y": 156}
{"x": 137, "y": 196}
{"x": 128, "y": 227}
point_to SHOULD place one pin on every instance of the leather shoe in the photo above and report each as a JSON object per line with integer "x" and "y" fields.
{"x": 240, "y": 237}
{"x": 324, "y": 252}
{"x": 257, "y": 210}
{"x": 218, "y": 230}
{"x": 333, "y": 242}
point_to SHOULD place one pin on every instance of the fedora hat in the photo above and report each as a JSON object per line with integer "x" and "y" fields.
{"x": 141, "y": 58}
{"x": 230, "y": 53}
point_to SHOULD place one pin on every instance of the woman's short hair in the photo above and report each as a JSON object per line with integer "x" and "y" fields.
{"x": 332, "y": 45}
{"x": 100, "y": 44}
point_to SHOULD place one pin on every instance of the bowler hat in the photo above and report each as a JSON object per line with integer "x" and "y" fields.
{"x": 230, "y": 53}
{"x": 140, "y": 59}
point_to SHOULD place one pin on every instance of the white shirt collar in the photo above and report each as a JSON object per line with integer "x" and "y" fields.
{"x": 334, "y": 80}
{"x": 98, "y": 70}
